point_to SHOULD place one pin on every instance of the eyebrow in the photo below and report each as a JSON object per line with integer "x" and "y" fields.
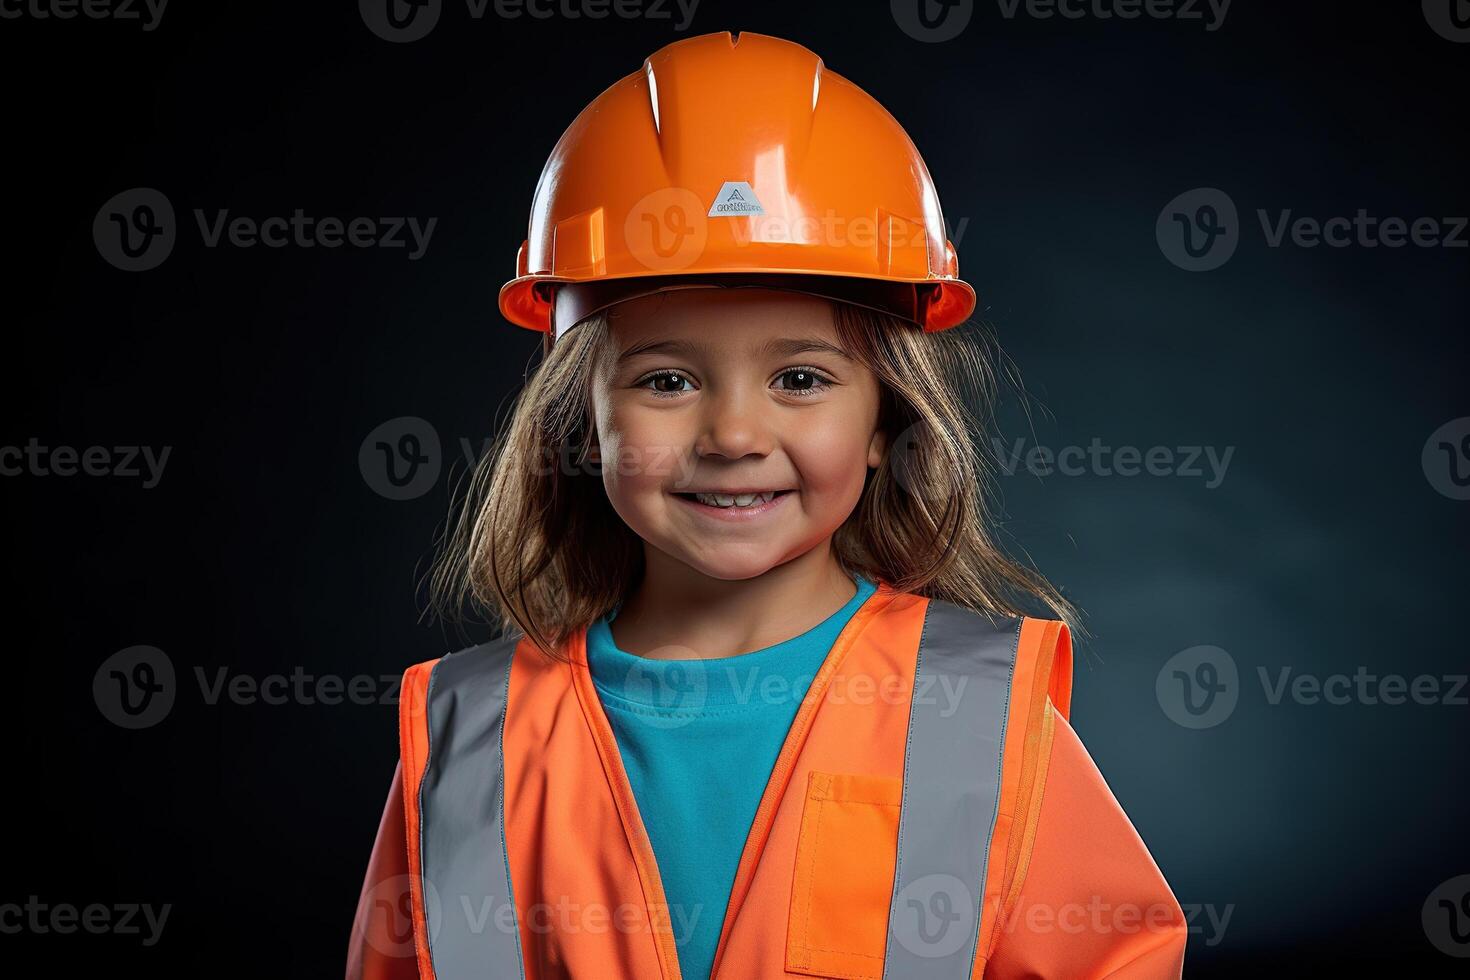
{"x": 783, "y": 348}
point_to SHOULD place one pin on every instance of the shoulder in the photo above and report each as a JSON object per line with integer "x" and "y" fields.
{"x": 482, "y": 663}
{"x": 465, "y": 690}
{"x": 1047, "y": 643}
{"x": 1037, "y": 652}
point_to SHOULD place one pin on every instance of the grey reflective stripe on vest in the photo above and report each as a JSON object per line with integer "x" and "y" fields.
{"x": 951, "y": 792}
{"x": 466, "y": 875}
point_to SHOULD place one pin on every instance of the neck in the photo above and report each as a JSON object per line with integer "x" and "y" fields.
{"x": 678, "y": 612}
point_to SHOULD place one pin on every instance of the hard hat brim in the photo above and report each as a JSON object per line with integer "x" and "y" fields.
{"x": 554, "y": 304}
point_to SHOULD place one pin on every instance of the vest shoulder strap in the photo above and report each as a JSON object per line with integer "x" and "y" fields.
{"x": 451, "y": 726}
{"x": 981, "y": 688}
{"x": 951, "y": 791}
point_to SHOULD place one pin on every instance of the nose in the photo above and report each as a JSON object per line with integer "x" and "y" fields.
{"x": 734, "y": 425}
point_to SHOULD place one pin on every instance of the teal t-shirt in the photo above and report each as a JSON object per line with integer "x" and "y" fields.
{"x": 699, "y": 739}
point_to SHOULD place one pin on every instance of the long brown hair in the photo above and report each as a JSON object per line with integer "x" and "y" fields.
{"x": 537, "y": 546}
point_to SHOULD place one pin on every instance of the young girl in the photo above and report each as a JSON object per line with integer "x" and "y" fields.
{"x": 765, "y": 703}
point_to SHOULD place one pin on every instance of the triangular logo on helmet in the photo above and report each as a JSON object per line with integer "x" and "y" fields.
{"x": 735, "y": 198}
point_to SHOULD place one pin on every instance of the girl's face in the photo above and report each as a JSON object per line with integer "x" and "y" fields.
{"x": 732, "y": 392}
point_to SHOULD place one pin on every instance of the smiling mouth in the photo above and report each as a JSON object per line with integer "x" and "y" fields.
{"x": 734, "y": 501}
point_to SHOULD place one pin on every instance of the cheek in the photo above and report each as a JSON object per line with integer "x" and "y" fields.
{"x": 832, "y": 456}
{"x": 639, "y": 452}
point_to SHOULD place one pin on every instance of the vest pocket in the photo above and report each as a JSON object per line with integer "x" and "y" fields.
{"x": 843, "y": 882}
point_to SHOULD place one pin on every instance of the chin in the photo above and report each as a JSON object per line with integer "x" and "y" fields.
{"x": 732, "y": 571}
{"x": 731, "y": 564}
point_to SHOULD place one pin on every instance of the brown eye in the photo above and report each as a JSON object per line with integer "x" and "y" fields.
{"x": 664, "y": 383}
{"x": 803, "y": 381}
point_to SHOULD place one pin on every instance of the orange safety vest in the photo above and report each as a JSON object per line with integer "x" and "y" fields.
{"x": 929, "y": 800}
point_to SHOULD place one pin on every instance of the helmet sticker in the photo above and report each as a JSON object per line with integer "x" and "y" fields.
{"x": 736, "y": 198}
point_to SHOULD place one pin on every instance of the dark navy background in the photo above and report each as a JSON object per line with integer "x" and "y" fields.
{"x": 1321, "y": 830}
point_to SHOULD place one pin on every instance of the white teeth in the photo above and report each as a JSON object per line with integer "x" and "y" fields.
{"x": 736, "y": 500}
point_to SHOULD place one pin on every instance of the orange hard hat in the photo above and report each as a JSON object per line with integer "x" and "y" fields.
{"x": 735, "y": 160}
